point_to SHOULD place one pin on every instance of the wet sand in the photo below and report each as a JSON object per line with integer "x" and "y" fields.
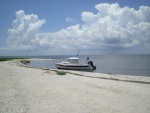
{"x": 30, "y": 90}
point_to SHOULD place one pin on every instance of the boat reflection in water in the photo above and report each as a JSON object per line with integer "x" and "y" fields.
{"x": 73, "y": 64}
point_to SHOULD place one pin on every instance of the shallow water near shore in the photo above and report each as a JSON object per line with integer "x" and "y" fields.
{"x": 136, "y": 65}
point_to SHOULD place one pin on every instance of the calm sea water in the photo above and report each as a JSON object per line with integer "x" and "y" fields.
{"x": 137, "y": 65}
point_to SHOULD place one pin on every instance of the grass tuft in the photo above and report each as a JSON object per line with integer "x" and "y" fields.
{"x": 61, "y": 72}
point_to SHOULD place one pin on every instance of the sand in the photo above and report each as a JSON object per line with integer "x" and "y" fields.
{"x": 30, "y": 90}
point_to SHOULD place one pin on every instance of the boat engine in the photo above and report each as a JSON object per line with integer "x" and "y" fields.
{"x": 91, "y": 63}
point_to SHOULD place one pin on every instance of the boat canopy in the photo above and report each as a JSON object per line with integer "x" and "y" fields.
{"x": 73, "y": 60}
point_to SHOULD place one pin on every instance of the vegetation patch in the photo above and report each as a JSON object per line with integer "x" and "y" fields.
{"x": 6, "y": 59}
{"x": 61, "y": 73}
{"x": 22, "y": 61}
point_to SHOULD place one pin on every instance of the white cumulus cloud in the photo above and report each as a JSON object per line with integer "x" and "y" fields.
{"x": 112, "y": 27}
{"x": 24, "y": 30}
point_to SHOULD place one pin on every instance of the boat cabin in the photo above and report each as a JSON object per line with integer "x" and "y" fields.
{"x": 73, "y": 60}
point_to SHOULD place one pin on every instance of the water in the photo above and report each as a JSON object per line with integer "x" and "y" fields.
{"x": 137, "y": 65}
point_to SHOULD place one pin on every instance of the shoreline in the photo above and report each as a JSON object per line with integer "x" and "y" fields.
{"x": 32, "y": 90}
{"x": 117, "y": 77}
{"x": 106, "y": 69}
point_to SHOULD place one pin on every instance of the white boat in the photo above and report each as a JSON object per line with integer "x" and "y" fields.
{"x": 73, "y": 64}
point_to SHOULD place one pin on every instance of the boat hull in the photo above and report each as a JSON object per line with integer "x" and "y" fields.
{"x": 74, "y": 66}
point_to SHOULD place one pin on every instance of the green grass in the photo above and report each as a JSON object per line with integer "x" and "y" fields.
{"x": 61, "y": 73}
{"x": 7, "y": 59}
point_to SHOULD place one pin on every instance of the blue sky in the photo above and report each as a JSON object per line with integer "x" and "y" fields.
{"x": 42, "y": 27}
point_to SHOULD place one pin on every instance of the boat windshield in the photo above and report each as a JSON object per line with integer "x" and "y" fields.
{"x": 73, "y": 61}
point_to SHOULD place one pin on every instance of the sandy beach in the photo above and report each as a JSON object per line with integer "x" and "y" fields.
{"x": 30, "y": 90}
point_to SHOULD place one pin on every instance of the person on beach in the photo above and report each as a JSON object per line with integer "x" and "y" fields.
{"x": 87, "y": 60}
{"x": 91, "y": 63}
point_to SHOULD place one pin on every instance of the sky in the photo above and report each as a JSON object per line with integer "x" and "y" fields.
{"x": 61, "y": 27}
